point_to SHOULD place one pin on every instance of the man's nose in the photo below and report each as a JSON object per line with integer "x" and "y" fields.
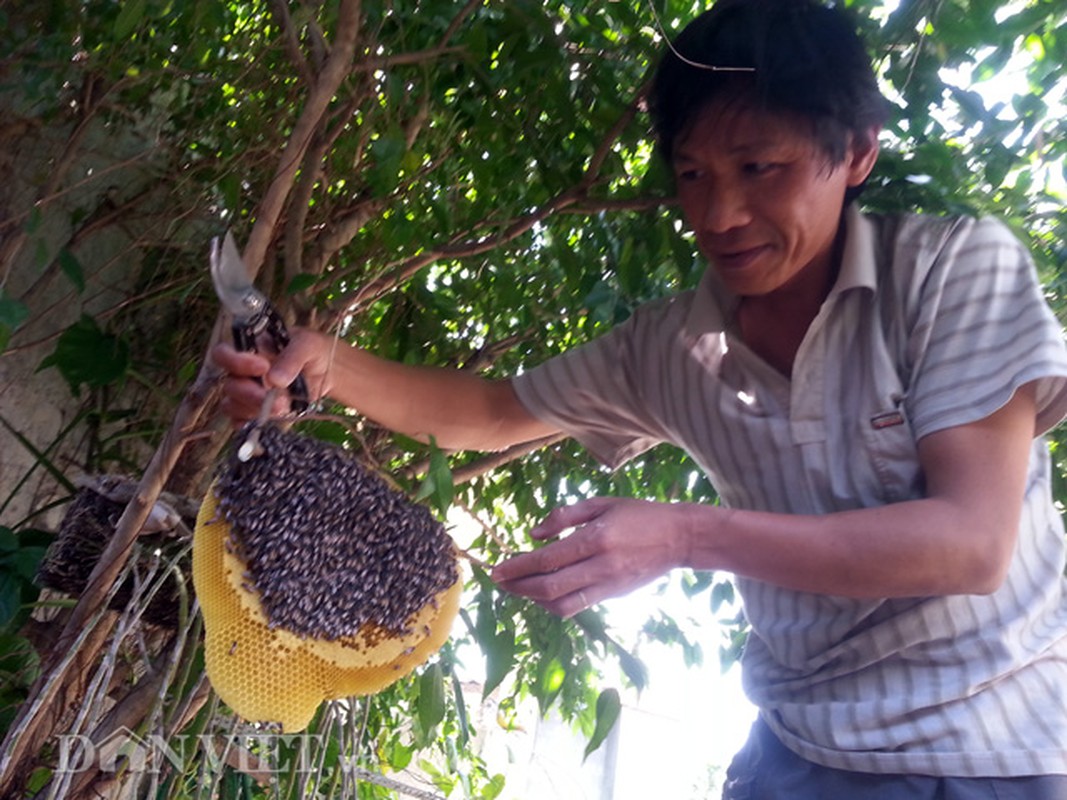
{"x": 725, "y": 208}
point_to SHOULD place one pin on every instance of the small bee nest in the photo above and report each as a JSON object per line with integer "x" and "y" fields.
{"x": 329, "y": 546}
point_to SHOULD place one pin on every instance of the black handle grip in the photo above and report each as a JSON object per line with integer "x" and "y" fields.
{"x": 244, "y": 339}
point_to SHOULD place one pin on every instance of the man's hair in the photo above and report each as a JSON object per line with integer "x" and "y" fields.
{"x": 798, "y": 57}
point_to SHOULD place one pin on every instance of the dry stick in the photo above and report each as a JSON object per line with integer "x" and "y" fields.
{"x": 126, "y": 713}
{"x": 460, "y": 18}
{"x": 102, "y": 579}
{"x": 490, "y": 461}
{"x": 45, "y": 689}
{"x": 366, "y": 775}
{"x": 189, "y": 414}
{"x": 375, "y": 289}
{"x": 311, "y": 173}
{"x": 489, "y": 531}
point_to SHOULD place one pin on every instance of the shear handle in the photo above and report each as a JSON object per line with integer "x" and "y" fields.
{"x": 245, "y": 336}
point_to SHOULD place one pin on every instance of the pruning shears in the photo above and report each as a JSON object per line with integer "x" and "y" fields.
{"x": 256, "y": 325}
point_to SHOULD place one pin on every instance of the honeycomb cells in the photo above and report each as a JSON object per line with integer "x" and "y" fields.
{"x": 274, "y": 670}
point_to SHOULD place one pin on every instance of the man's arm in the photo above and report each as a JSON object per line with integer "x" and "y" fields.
{"x": 958, "y": 539}
{"x": 460, "y": 410}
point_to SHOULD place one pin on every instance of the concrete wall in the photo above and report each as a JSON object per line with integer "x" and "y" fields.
{"x": 115, "y": 168}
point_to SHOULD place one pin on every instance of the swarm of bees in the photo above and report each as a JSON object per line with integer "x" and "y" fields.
{"x": 330, "y": 546}
{"x": 316, "y": 579}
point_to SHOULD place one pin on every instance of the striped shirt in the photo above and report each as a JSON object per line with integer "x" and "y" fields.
{"x": 931, "y": 323}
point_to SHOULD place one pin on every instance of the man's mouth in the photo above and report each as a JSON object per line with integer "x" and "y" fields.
{"x": 738, "y": 258}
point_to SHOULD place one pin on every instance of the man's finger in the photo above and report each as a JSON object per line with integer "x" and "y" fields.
{"x": 547, "y": 560}
{"x": 241, "y": 364}
{"x": 564, "y": 517}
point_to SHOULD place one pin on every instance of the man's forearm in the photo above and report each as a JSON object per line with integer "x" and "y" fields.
{"x": 916, "y": 548}
{"x": 459, "y": 410}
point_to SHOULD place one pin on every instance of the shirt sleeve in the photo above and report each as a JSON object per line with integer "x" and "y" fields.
{"x": 981, "y": 329}
{"x": 596, "y": 392}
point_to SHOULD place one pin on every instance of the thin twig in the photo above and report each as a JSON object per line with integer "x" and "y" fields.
{"x": 396, "y": 786}
{"x": 505, "y": 548}
{"x": 469, "y": 556}
{"x": 20, "y": 731}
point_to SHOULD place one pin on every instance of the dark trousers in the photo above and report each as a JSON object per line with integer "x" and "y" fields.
{"x": 765, "y": 769}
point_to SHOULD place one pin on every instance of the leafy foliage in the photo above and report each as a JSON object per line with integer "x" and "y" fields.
{"x": 481, "y": 192}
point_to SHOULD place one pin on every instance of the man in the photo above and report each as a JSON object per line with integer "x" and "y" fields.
{"x": 865, "y": 394}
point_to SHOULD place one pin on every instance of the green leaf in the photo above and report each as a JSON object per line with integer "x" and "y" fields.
{"x": 38, "y": 780}
{"x": 229, "y": 186}
{"x": 12, "y": 312}
{"x": 387, "y": 154}
{"x": 301, "y": 282}
{"x": 595, "y": 628}
{"x": 633, "y": 667}
{"x": 10, "y": 597}
{"x": 493, "y": 788}
{"x": 85, "y": 354}
{"x": 437, "y": 484}
{"x": 24, "y": 562}
{"x": 33, "y": 222}
{"x": 398, "y": 755}
{"x": 12, "y": 315}
{"x": 694, "y": 583}
{"x": 461, "y": 710}
{"x": 72, "y": 268}
{"x": 130, "y": 16}
{"x": 499, "y": 659}
{"x": 550, "y": 680}
{"x": 608, "y": 708}
{"x": 721, "y": 593}
{"x": 431, "y": 703}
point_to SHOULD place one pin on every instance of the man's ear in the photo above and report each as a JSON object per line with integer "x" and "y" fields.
{"x": 862, "y": 153}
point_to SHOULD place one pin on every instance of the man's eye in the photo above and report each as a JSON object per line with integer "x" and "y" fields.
{"x": 688, "y": 175}
{"x": 760, "y": 167}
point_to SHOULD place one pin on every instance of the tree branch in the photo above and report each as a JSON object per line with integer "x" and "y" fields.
{"x": 596, "y": 162}
{"x": 337, "y": 67}
{"x": 460, "y": 18}
{"x": 404, "y": 59}
{"x": 280, "y": 10}
{"x": 592, "y": 205}
{"x": 491, "y": 461}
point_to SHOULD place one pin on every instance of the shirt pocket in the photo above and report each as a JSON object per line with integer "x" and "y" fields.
{"x": 891, "y": 454}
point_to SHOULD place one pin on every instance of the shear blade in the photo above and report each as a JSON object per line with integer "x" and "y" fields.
{"x": 230, "y": 277}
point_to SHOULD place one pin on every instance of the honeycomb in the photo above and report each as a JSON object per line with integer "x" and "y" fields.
{"x": 268, "y": 674}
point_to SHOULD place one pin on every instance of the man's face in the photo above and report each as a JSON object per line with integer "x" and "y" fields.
{"x": 762, "y": 199}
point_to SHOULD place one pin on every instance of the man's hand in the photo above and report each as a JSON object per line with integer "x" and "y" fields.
{"x": 250, "y": 375}
{"x": 616, "y": 545}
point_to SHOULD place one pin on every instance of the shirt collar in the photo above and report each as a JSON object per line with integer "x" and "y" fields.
{"x": 859, "y": 267}
{"x": 712, "y": 308}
